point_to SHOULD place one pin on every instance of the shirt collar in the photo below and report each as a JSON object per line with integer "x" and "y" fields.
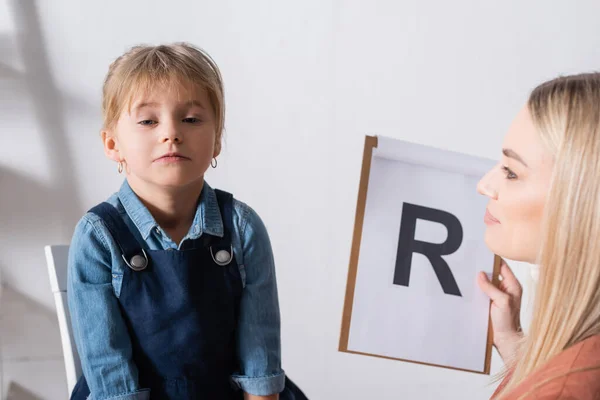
{"x": 206, "y": 220}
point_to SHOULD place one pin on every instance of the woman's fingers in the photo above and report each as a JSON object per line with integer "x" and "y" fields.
{"x": 509, "y": 280}
{"x": 499, "y": 298}
{"x": 504, "y": 312}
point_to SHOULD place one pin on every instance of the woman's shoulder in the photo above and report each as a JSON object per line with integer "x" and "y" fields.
{"x": 572, "y": 374}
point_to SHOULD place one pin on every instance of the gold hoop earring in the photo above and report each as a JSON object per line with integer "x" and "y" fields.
{"x": 120, "y": 167}
{"x": 215, "y": 163}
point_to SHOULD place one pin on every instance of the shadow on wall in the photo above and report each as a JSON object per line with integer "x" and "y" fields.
{"x": 33, "y": 212}
{"x": 25, "y": 210}
{"x": 30, "y": 345}
{"x": 18, "y": 392}
{"x": 48, "y": 104}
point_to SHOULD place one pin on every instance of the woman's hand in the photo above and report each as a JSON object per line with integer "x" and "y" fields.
{"x": 505, "y": 310}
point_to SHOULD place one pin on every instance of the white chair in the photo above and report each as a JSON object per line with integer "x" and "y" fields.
{"x": 1, "y": 358}
{"x": 56, "y": 257}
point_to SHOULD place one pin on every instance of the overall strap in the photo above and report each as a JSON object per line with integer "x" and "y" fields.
{"x": 221, "y": 249}
{"x": 225, "y": 201}
{"x": 131, "y": 250}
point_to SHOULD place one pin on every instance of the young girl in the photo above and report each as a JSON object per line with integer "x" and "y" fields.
{"x": 172, "y": 288}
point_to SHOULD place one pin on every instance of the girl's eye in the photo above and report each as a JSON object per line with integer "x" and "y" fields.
{"x": 147, "y": 122}
{"x": 509, "y": 174}
{"x": 191, "y": 120}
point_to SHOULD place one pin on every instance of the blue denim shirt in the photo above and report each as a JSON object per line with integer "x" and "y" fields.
{"x": 94, "y": 285}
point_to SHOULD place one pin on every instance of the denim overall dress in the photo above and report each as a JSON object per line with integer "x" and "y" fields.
{"x": 181, "y": 309}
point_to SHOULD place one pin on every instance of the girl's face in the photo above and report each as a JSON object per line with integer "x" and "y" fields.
{"x": 517, "y": 188}
{"x": 167, "y": 138}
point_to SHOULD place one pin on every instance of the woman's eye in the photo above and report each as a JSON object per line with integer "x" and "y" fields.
{"x": 509, "y": 174}
{"x": 147, "y": 122}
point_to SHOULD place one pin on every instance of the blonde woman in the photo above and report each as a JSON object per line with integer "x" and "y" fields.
{"x": 544, "y": 208}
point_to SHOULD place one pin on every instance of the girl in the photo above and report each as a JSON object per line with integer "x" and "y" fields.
{"x": 172, "y": 288}
{"x": 544, "y": 209}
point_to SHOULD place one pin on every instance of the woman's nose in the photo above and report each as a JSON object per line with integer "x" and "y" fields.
{"x": 486, "y": 188}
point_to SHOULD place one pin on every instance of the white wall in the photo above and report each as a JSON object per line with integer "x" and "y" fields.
{"x": 305, "y": 81}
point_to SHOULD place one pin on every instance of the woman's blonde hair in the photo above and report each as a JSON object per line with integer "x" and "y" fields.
{"x": 566, "y": 114}
{"x": 144, "y": 68}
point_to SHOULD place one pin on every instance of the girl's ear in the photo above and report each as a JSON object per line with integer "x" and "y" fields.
{"x": 111, "y": 146}
{"x": 217, "y": 149}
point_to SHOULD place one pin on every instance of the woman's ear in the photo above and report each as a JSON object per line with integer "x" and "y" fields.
{"x": 111, "y": 146}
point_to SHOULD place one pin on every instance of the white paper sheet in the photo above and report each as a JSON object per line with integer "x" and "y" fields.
{"x": 420, "y": 322}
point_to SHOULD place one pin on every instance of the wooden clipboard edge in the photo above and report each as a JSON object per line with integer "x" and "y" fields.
{"x": 417, "y": 362}
{"x": 490, "y": 338}
{"x": 370, "y": 144}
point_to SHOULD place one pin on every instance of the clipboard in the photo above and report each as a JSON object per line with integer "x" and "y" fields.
{"x": 371, "y": 143}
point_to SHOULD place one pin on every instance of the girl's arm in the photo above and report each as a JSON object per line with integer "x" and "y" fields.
{"x": 259, "y": 344}
{"x": 99, "y": 330}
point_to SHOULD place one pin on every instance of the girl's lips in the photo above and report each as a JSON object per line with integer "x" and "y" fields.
{"x": 172, "y": 157}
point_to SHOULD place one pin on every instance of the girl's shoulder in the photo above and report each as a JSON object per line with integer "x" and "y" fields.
{"x": 91, "y": 229}
{"x": 242, "y": 212}
{"x": 91, "y": 217}
{"x": 249, "y": 229}
{"x": 245, "y": 217}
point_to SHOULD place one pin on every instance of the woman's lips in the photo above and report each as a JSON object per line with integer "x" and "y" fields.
{"x": 489, "y": 219}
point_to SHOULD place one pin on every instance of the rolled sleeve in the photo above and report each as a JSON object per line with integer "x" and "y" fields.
{"x": 139, "y": 395}
{"x": 100, "y": 332}
{"x": 258, "y": 333}
{"x": 261, "y": 386}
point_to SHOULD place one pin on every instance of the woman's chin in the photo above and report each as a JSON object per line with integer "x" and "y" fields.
{"x": 496, "y": 246}
{"x": 499, "y": 248}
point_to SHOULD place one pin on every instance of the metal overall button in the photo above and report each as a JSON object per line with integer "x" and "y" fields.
{"x": 222, "y": 257}
{"x": 139, "y": 262}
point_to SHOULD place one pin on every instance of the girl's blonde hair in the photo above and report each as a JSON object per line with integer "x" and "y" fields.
{"x": 566, "y": 114}
{"x": 144, "y": 68}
